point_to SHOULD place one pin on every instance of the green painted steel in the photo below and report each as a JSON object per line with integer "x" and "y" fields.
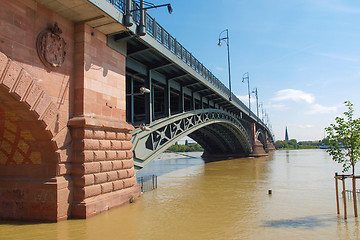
{"x": 165, "y": 132}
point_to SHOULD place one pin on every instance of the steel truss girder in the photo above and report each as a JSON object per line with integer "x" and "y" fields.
{"x": 165, "y": 132}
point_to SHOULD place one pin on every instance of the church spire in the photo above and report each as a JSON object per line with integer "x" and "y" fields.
{"x": 286, "y": 135}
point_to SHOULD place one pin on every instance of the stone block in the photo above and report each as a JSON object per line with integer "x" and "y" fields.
{"x": 116, "y": 145}
{"x": 3, "y": 64}
{"x": 11, "y": 75}
{"x": 121, "y": 155}
{"x": 33, "y": 94}
{"x": 106, "y": 187}
{"x": 106, "y": 166}
{"x": 83, "y": 156}
{"x": 85, "y": 168}
{"x": 129, "y": 154}
{"x": 117, "y": 165}
{"x": 127, "y": 164}
{"x": 23, "y": 84}
{"x": 126, "y": 145}
{"x": 129, "y": 182}
{"x": 99, "y": 155}
{"x": 109, "y": 135}
{"x": 117, "y": 185}
{"x": 84, "y": 180}
{"x": 86, "y": 192}
{"x": 112, "y": 176}
{"x": 104, "y": 144}
{"x": 130, "y": 172}
{"x": 100, "y": 177}
{"x": 122, "y": 174}
{"x": 120, "y": 136}
{"x": 110, "y": 155}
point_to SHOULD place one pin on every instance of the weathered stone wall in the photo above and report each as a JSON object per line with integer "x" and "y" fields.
{"x": 40, "y": 162}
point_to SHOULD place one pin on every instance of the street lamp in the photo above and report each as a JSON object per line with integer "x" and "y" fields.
{"x": 228, "y": 50}
{"x": 143, "y": 90}
{"x": 144, "y": 5}
{"x": 246, "y": 77}
{"x": 255, "y": 91}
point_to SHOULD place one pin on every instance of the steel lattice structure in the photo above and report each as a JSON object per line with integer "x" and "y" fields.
{"x": 217, "y": 131}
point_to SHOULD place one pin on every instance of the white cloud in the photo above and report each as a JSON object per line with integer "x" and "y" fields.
{"x": 294, "y": 95}
{"x": 219, "y": 69}
{"x": 320, "y": 109}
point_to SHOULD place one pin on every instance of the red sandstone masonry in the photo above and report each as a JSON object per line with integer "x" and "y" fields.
{"x": 122, "y": 174}
{"x": 118, "y": 185}
{"x": 117, "y": 165}
{"x": 84, "y": 180}
{"x": 106, "y": 187}
{"x": 100, "y": 177}
{"x": 10, "y": 76}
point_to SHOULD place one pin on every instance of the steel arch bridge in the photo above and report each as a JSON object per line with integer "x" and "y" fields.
{"x": 184, "y": 97}
{"x": 217, "y": 131}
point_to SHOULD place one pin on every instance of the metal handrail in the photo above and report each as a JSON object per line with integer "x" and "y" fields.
{"x": 156, "y": 31}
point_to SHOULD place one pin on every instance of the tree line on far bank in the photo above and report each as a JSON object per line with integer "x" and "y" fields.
{"x": 291, "y": 144}
{"x": 294, "y": 144}
{"x": 187, "y": 147}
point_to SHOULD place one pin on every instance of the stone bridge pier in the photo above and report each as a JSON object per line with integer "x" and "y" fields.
{"x": 64, "y": 142}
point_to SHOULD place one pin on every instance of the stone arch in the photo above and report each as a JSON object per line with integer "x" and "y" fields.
{"x": 29, "y": 156}
{"x": 260, "y": 136}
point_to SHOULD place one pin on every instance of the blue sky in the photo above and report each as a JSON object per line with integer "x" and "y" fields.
{"x": 302, "y": 55}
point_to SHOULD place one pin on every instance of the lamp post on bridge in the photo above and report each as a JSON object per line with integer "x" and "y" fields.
{"x": 143, "y": 6}
{"x": 255, "y": 91}
{"x": 228, "y": 50}
{"x": 246, "y": 77}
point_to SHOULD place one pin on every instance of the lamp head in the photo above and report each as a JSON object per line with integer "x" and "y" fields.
{"x": 144, "y": 128}
{"x": 169, "y": 8}
{"x": 144, "y": 90}
{"x": 219, "y": 44}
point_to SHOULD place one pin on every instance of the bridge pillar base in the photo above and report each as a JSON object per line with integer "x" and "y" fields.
{"x": 270, "y": 147}
{"x": 258, "y": 150}
{"x": 102, "y": 166}
{"x": 93, "y": 206}
{"x": 35, "y": 199}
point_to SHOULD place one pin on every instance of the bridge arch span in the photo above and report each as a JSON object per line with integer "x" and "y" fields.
{"x": 29, "y": 157}
{"x": 261, "y": 136}
{"x": 217, "y": 131}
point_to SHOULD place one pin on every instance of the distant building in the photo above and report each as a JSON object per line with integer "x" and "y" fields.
{"x": 286, "y": 135}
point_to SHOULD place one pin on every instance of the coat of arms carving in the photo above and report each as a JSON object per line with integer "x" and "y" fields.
{"x": 51, "y": 47}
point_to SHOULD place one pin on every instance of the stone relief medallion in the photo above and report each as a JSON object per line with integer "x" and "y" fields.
{"x": 51, "y": 47}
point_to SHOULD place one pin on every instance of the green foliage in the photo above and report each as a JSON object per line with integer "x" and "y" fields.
{"x": 344, "y": 139}
{"x": 190, "y": 147}
{"x": 294, "y": 144}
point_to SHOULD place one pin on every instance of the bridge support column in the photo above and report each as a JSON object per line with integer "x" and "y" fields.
{"x": 269, "y": 144}
{"x": 258, "y": 148}
{"x": 102, "y": 165}
{"x": 103, "y": 169}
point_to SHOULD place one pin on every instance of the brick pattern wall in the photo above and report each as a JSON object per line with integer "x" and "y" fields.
{"x": 102, "y": 162}
{"x": 102, "y": 166}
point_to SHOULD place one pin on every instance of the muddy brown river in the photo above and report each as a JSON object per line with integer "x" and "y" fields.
{"x": 219, "y": 200}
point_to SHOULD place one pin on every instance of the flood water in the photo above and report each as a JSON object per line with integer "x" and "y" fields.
{"x": 220, "y": 200}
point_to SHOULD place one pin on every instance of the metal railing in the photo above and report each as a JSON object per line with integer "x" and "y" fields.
{"x": 156, "y": 31}
{"x": 147, "y": 183}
